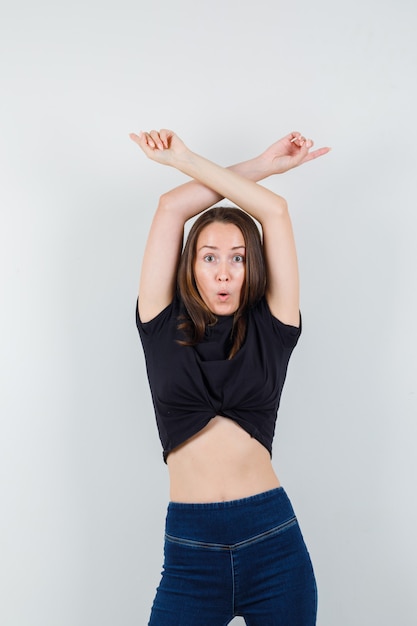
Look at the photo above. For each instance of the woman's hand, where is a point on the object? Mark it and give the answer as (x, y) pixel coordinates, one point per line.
(289, 152)
(162, 146)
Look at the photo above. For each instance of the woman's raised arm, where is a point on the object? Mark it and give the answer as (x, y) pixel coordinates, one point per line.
(163, 249)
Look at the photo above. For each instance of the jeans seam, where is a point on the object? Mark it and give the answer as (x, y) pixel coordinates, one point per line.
(233, 581)
(240, 544)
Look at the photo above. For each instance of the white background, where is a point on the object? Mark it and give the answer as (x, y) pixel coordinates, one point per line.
(83, 485)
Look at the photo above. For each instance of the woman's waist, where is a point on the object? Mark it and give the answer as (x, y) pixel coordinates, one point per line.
(221, 463)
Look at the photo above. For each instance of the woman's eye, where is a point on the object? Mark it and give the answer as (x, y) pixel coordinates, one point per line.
(209, 258)
(238, 258)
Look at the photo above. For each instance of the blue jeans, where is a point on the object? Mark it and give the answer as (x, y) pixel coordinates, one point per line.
(244, 557)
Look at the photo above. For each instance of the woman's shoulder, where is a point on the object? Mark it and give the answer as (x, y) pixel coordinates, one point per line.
(171, 312)
(270, 326)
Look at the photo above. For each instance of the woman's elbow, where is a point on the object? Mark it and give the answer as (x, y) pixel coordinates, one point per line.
(164, 202)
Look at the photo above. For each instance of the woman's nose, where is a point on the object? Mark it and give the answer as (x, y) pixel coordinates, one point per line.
(222, 272)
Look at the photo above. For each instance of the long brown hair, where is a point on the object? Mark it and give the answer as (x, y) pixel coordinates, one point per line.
(198, 314)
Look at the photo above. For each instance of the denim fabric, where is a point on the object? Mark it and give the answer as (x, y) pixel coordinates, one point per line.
(243, 557)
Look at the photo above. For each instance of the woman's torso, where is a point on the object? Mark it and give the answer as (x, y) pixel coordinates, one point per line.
(216, 416)
(222, 462)
(193, 385)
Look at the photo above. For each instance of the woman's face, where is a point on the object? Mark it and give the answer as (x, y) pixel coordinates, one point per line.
(219, 267)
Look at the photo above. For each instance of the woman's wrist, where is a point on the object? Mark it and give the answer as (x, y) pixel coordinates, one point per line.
(260, 168)
(255, 169)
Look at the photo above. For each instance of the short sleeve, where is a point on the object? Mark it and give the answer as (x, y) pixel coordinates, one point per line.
(159, 322)
(288, 334)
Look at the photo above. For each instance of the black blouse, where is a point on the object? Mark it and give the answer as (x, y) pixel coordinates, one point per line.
(192, 384)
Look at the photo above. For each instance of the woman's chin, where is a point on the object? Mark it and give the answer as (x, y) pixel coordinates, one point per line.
(223, 308)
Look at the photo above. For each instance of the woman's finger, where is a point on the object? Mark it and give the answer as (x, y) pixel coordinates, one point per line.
(298, 139)
(136, 138)
(156, 139)
(316, 153)
(146, 140)
(165, 135)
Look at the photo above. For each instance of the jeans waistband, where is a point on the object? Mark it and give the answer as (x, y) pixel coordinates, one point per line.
(228, 504)
(229, 522)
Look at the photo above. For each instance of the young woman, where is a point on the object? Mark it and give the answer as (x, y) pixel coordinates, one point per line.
(218, 322)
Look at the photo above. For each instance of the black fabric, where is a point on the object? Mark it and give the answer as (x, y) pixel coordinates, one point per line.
(192, 384)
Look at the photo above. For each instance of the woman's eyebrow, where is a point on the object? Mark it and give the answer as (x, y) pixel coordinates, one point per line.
(207, 246)
(216, 248)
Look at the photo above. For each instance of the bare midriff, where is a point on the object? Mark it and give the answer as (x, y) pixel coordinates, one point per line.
(222, 462)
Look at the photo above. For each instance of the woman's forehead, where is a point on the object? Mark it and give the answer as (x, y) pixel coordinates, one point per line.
(218, 234)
